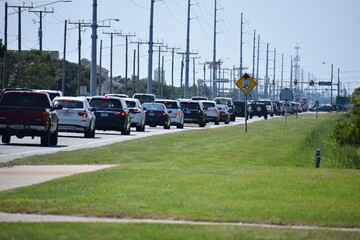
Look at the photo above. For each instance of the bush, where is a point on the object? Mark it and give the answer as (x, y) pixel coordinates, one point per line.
(348, 133)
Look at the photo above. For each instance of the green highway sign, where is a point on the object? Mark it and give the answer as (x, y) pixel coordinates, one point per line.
(324, 83)
(342, 101)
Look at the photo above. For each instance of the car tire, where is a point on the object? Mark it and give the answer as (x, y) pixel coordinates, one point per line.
(232, 118)
(87, 133)
(266, 117)
(5, 138)
(54, 138)
(45, 139)
(216, 122)
(203, 124)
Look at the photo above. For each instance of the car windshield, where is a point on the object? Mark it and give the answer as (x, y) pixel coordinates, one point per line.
(69, 103)
(25, 99)
(169, 105)
(153, 106)
(190, 105)
(208, 105)
(105, 103)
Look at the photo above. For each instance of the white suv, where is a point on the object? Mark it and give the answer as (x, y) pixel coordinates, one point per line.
(76, 115)
(212, 112)
(137, 114)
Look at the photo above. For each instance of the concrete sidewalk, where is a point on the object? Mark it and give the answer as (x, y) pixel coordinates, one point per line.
(21, 176)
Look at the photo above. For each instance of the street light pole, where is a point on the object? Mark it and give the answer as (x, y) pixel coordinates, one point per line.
(94, 27)
(331, 87)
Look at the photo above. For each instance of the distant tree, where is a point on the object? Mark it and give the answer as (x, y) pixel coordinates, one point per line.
(31, 69)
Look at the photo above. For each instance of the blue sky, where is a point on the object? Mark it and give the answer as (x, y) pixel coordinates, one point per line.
(325, 30)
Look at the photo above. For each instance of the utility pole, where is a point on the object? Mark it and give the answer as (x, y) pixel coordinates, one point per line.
(64, 62)
(172, 69)
(331, 87)
(94, 27)
(160, 72)
(257, 68)
(19, 11)
(282, 72)
(79, 24)
(126, 36)
(274, 76)
(186, 92)
(151, 43)
(41, 14)
(133, 75)
(194, 71)
(338, 84)
(111, 34)
(241, 46)
(187, 53)
(291, 73)
(253, 63)
(266, 95)
(138, 43)
(100, 68)
(214, 55)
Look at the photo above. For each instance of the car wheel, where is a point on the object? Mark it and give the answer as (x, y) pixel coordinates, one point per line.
(232, 118)
(216, 122)
(87, 133)
(54, 138)
(266, 117)
(203, 124)
(5, 138)
(45, 139)
(139, 128)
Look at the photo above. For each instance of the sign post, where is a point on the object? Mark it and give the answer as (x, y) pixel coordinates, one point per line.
(286, 94)
(246, 84)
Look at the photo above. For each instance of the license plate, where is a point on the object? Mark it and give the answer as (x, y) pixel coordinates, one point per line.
(18, 126)
(67, 114)
(104, 114)
(151, 114)
(188, 111)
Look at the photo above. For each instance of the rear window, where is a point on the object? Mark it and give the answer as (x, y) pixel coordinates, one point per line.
(69, 103)
(223, 101)
(208, 105)
(190, 105)
(158, 107)
(169, 105)
(131, 104)
(145, 97)
(105, 103)
(25, 99)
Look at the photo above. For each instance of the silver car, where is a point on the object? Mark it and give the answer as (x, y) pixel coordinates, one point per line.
(76, 115)
(137, 114)
(174, 110)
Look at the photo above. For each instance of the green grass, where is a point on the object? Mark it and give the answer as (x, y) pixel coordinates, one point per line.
(223, 174)
(90, 231)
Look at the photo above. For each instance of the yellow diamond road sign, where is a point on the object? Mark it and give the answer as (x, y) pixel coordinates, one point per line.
(246, 83)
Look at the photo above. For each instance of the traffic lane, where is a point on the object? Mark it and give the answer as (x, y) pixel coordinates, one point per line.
(19, 148)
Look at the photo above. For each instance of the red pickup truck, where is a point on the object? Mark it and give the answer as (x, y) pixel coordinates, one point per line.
(28, 113)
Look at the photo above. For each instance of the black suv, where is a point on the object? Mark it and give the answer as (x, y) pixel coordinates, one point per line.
(194, 112)
(259, 109)
(230, 103)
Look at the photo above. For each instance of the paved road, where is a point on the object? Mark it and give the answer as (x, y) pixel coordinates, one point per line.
(19, 148)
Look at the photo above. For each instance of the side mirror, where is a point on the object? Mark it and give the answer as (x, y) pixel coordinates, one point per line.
(93, 109)
(58, 107)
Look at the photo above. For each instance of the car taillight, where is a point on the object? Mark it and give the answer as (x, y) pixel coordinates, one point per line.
(200, 112)
(120, 113)
(45, 116)
(214, 110)
(136, 111)
(178, 113)
(83, 114)
(160, 114)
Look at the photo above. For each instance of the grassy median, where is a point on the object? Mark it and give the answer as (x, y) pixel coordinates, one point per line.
(223, 174)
